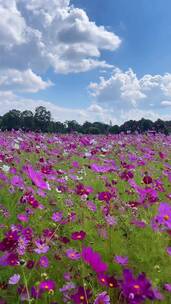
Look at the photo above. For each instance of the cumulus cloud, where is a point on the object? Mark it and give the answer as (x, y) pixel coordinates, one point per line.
(39, 34)
(22, 81)
(132, 97)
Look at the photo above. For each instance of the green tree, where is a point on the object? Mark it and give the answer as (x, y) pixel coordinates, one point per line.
(42, 119)
(11, 120)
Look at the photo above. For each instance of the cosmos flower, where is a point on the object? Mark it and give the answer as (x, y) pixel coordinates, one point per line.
(14, 279)
(47, 285)
(72, 254)
(78, 235)
(37, 178)
(104, 196)
(57, 216)
(94, 260)
(43, 261)
(102, 298)
(122, 260)
(41, 247)
(136, 290)
(163, 217)
(81, 296)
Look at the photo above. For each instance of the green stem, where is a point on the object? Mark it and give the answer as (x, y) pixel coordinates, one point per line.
(26, 285)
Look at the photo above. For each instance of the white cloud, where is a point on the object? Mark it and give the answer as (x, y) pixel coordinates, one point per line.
(12, 25)
(131, 97)
(39, 34)
(22, 81)
(166, 103)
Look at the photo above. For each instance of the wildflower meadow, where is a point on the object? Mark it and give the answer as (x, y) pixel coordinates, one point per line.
(85, 219)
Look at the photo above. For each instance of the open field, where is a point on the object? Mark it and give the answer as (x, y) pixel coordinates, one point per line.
(85, 219)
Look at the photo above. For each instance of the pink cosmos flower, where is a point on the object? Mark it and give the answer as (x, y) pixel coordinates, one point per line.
(14, 279)
(122, 260)
(47, 285)
(102, 298)
(73, 254)
(57, 216)
(94, 260)
(37, 178)
(44, 262)
(41, 247)
(78, 235)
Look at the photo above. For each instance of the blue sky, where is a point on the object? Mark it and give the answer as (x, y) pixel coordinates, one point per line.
(87, 59)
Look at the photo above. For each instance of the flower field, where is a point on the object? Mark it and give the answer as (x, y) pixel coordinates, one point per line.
(85, 219)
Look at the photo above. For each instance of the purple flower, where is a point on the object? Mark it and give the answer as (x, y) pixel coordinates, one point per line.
(167, 287)
(14, 279)
(12, 259)
(67, 286)
(73, 254)
(104, 196)
(102, 298)
(164, 216)
(57, 216)
(81, 296)
(44, 262)
(111, 221)
(122, 260)
(136, 290)
(17, 181)
(91, 206)
(41, 247)
(169, 250)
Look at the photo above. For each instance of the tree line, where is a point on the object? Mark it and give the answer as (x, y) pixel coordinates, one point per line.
(41, 121)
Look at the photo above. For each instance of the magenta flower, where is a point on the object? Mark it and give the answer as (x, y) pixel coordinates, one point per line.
(17, 181)
(147, 180)
(104, 196)
(102, 298)
(44, 262)
(94, 260)
(103, 279)
(122, 260)
(82, 296)
(23, 217)
(47, 285)
(164, 216)
(37, 178)
(78, 235)
(73, 254)
(12, 259)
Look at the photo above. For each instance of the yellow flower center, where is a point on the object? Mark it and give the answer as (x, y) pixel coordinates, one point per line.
(136, 286)
(166, 217)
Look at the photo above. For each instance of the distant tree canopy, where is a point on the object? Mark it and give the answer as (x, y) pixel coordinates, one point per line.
(41, 121)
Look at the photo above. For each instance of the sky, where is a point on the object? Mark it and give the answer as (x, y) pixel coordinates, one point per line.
(87, 60)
